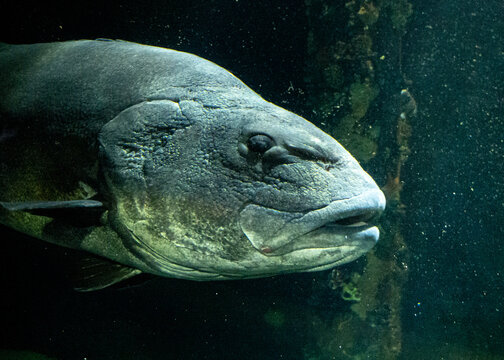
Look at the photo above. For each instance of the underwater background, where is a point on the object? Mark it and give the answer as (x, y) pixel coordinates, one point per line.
(413, 89)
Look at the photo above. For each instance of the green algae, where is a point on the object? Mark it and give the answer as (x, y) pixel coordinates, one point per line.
(368, 13)
(275, 318)
(22, 355)
(360, 141)
(350, 291)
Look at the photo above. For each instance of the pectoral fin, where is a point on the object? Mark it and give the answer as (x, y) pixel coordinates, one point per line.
(76, 212)
(95, 273)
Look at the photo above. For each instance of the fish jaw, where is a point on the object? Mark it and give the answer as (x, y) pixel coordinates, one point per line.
(342, 222)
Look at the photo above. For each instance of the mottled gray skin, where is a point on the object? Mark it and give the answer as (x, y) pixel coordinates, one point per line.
(163, 138)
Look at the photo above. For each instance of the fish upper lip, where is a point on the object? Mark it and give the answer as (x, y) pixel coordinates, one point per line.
(346, 214)
(371, 203)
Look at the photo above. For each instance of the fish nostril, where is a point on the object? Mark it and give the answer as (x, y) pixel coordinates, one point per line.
(328, 167)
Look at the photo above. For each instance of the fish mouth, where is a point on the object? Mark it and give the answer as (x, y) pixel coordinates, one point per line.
(345, 224)
(352, 232)
(355, 220)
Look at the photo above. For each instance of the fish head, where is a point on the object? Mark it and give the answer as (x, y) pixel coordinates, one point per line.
(240, 189)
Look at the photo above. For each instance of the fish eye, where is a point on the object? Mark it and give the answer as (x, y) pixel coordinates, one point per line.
(259, 143)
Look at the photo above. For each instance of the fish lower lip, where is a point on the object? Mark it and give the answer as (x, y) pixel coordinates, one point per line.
(330, 236)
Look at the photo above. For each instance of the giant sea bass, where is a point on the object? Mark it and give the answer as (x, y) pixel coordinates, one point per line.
(161, 162)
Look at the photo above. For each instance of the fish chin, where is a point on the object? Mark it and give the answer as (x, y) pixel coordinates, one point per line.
(329, 246)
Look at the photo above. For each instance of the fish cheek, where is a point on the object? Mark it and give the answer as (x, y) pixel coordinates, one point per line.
(171, 198)
(188, 223)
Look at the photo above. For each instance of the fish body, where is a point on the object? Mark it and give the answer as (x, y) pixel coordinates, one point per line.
(166, 163)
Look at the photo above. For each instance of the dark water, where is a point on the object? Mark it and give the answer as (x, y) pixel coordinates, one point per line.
(452, 305)
(456, 188)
